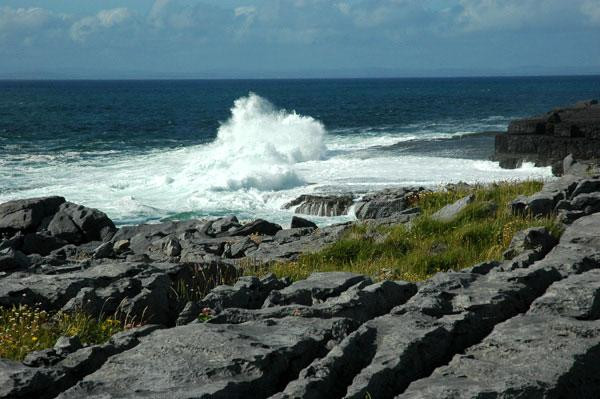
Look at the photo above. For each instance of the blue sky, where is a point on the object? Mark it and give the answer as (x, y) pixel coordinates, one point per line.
(297, 38)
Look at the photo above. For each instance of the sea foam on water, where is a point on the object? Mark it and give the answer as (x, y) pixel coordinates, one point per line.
(261, 158)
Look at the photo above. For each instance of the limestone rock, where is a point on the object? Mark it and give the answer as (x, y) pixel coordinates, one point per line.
(451, 211)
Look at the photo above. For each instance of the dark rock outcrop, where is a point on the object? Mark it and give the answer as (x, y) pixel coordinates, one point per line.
(42, 225)
(319, 205)
(385, 204)
(298, 222)
(547, 139)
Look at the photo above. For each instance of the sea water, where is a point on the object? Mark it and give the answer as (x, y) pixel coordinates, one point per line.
(153, 150)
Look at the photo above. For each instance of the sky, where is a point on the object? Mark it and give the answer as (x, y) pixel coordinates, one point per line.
(297, 38)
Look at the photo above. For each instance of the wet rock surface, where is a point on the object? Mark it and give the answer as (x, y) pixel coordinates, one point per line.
(321, 205)
(526, 326)
(386, 204)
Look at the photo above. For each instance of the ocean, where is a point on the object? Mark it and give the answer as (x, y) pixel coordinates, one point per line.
(144, 151)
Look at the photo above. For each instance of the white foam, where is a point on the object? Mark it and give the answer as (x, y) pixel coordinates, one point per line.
(262, 158)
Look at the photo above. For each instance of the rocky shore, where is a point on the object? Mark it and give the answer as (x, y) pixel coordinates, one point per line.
(527, 326)
(546, 139)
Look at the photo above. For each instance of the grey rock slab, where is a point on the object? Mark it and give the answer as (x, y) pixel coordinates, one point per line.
(577, 296)
(379, 208)
(528, 356)
(172, 247)
(253, 359)
(269, 251)
(451, 211)
(258, 226)
(588, 202)
(328, 377)
(65, 345)
(54, 291)
(66, 367)
(248, 293)
(316, 288)
(386, 203)
(545, 202)
(288, 235)
(403, 349)
(359, 303)
(225, 224)
(534, 238)
(586, 186)
(160, 230)
(238, 249)
(447, 315)
(42, 358)
(23, 382)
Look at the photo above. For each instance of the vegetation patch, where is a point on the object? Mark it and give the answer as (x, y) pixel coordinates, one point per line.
(24, 329)
(481, 232)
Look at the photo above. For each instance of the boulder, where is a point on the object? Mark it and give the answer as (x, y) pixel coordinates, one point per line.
(104, 250)
(11, 260)
(26, 215)
(121, 246)
(298, 222)
(247, 293)
(451, 211)
(259, 226)
(41, 243)
(190, 312)
(224, 225)
(316, 288)
(92, 224)
(171, 247)
(63, 227)
(238, 249)
(534, 238)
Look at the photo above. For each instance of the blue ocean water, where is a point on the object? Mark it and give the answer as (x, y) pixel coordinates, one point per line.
(147, 150)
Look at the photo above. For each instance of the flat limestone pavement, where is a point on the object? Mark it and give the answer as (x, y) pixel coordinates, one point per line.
(526, 327)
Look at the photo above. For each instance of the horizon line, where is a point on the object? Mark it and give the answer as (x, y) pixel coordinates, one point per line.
(182, 78)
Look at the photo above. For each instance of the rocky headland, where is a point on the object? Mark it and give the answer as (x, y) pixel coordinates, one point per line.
(547, 139)
(527, 326)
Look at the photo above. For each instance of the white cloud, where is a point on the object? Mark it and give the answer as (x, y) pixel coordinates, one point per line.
(27, 25)
(155, 17)
(104, 19)
(481, 15)
(22, 18)
(244, 11)
(591, 9)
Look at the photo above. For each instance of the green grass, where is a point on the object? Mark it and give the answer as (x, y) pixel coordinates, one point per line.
(24, 329)
(481, 232)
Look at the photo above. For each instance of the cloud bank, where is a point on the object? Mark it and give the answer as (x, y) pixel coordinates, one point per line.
(185, 36)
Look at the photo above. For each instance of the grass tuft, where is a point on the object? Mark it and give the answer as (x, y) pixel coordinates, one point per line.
(481, 232)
(24, 329)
